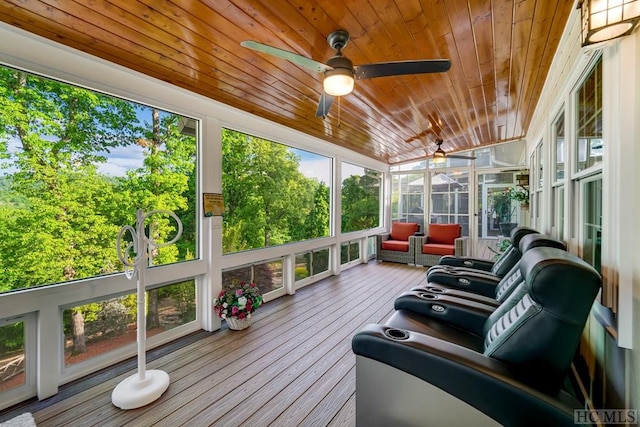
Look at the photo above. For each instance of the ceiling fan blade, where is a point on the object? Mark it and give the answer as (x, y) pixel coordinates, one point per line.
(289, 56)
(324, 105)
(383, 69)
(455, 156)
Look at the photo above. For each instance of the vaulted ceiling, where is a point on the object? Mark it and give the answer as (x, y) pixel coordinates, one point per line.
(500, 52)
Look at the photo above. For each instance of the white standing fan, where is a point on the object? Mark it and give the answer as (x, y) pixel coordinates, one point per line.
(146, 386)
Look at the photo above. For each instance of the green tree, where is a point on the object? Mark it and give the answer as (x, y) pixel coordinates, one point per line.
(59, 132)
(268, 201)
(361, 201)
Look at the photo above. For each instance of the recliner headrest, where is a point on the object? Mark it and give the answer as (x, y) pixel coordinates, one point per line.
(531, 241)
(518, 233)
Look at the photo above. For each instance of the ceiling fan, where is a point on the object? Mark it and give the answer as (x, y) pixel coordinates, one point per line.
(339, 71)
(439, 156)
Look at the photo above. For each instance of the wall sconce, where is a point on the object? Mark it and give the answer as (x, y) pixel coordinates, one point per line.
(604, 20)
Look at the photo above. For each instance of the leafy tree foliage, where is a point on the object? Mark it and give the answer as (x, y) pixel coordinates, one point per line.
(361, 201)
(59, 214)
(268, 200)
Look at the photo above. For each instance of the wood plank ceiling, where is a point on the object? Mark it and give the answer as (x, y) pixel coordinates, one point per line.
(500, 51)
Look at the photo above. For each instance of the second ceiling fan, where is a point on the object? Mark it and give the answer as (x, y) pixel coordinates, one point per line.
(340, 73)
(439, 156)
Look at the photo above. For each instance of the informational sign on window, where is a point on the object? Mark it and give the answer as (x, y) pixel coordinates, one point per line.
(213, 204)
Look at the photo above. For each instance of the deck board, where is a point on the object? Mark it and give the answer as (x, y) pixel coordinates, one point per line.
(293, 366)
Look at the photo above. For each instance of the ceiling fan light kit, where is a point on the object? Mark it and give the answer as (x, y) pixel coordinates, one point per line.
(440, 156)
(339, 71)
(338, 81)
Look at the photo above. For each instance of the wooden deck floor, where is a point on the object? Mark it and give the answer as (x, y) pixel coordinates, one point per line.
(293, 366)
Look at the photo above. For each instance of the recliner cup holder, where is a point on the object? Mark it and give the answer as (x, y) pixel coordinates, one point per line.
(396, 334)
(423, 295)
(435, 290)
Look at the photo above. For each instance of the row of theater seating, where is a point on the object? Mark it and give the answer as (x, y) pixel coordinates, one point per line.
(482, 343)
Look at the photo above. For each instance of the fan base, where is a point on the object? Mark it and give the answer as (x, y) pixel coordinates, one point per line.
(338, 39)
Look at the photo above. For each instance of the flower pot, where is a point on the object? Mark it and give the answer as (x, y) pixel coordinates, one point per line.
(238, 324)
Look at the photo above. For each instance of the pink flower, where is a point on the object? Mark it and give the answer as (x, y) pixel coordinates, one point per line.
(238, 292)
(241, 316)
(234, 311)
(221, 294)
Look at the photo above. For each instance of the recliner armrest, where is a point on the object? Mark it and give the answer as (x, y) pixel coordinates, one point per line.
(477, 281)
(493, 387)
(462, 313)
(434, 288)
(469, 262)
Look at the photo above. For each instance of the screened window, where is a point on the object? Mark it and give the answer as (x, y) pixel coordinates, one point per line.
(266, 275)
(273, 194)
(407, 198)
(311, 263)
(361, 195)
(349, 252)
(592, 223)
(502, 155)
(589, 120)
(93, 329)
(13, 357)
(75, 166)
(559, 143)
(450, 199)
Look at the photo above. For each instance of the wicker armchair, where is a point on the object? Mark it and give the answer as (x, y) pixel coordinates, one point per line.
(441, 239)
(397, 246)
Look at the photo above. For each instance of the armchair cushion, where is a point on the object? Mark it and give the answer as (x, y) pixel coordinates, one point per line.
(443, 234)
(396, 245)
(438, 249)
(403, 230)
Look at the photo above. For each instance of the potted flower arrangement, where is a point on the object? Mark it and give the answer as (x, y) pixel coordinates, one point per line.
(236, 304)
(520, 195)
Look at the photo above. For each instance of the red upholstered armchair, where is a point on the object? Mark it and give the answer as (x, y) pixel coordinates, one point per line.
(397, 246)
(441, 239)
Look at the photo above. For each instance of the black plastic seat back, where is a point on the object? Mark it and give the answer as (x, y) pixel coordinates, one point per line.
(514, 278)
(510, 257)
(538, 327)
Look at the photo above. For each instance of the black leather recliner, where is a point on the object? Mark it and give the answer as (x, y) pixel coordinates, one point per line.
(485, 283)
(499, 267)
(504, 368)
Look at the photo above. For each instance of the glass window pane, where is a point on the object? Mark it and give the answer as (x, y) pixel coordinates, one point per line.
(73, 197)
(450, 199)
(273, 194)
(344, 253)
(503, 155)
(361, 190)
(320, 261)
(354, 251)
(592, 226)
(268, 276)
(559, 138)
(13, 358)
(589, 116)
(102, 326)
(302, 269)
(407, 195)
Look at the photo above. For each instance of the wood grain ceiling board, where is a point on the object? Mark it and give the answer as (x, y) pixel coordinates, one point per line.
(500, 52)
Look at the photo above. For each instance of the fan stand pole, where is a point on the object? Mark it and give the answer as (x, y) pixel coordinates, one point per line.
(144, 387)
